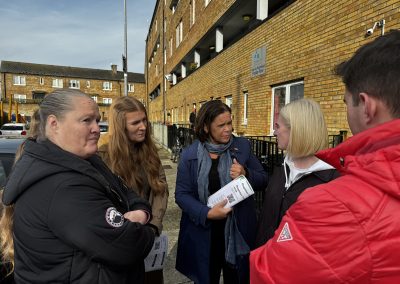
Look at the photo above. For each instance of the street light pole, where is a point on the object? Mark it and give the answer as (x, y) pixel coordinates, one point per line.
(125, 55)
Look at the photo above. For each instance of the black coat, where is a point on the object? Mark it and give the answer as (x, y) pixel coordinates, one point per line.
(277, 200)
(68, 224)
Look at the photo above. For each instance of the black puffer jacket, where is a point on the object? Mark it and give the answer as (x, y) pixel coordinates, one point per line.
(277, 199)
(68, 223)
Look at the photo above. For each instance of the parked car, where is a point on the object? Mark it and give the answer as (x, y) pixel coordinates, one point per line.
(103, 126)
(8, 148)
(14, 129)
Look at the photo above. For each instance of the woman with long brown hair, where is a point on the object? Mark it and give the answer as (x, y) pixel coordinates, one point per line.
(132, 154)
(70, 219)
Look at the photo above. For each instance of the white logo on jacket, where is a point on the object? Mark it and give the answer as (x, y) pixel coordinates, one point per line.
(285, 234)
(114, 217)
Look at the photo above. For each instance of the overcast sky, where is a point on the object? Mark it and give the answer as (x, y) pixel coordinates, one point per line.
(78, 33)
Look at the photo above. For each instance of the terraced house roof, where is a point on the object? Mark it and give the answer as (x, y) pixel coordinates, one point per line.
(67, 71)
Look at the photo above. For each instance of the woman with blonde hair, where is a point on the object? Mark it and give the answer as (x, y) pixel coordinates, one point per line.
(300, 130)
(132, 154)
(6, 241)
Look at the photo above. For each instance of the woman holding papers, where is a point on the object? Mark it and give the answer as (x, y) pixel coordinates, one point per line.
(216, 239)
(132, 155)
(301, 131)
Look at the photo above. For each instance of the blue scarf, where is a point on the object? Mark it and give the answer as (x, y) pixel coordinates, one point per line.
(235, 245)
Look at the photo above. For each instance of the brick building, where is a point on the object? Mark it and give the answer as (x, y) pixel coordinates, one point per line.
(26, 84)
(256, 55)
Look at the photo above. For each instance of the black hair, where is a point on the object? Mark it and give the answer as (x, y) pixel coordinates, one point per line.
(206, 115)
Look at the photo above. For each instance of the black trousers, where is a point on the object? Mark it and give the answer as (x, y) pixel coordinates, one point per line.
(217, 256)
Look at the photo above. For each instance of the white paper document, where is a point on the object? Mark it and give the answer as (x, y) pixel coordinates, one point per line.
(234, 192)
(156, 258)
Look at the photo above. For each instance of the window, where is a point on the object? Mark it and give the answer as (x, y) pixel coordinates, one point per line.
(228, 101)
(38, 95)
(156, 70)
(19, 98)
(179, 33)
(245, 107)
(170, 47)
(207, 2)
(87, 84)
(57, 83)
(74, 84)
(107, 101)
(192, 12)
(284, 94)
(94, 98)
(19, 80)
(131, 88)
(107, 86)
(41, 81)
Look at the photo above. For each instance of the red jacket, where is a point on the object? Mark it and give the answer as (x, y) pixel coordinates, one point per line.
(347, 230)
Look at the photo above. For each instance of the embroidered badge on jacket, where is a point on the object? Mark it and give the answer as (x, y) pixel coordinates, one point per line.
(285, 234)
(114, 218)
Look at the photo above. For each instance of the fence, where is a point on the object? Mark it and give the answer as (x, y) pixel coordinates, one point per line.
(265, 148)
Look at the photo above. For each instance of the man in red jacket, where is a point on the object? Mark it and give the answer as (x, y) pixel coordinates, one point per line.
(348, 230)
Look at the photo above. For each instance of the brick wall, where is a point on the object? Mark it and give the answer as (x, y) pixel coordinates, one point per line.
(93, 88)
(303, 41)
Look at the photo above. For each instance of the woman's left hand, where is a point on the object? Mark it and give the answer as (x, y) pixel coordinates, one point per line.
(138, 216)
(237, 169)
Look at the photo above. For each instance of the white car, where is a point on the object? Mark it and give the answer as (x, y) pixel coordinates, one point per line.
(14, 129)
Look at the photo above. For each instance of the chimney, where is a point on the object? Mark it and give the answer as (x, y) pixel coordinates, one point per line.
(114, 69)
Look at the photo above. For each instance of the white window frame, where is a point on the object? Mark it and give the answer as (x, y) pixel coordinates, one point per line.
(41, 81)
(287, 99)
(179, 33)
(245, 107)
(94, 98)
(192, 12)
(131, 88)
(107, 86)
(19, 97)
(107, 101)
(58, 83)
(229, 101)
(19, 80)
(170, 47)
(74, 84)
(87, 84)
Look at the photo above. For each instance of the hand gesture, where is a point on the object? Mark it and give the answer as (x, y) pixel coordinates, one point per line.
(237, 169)
(218, 212)
(138, 216)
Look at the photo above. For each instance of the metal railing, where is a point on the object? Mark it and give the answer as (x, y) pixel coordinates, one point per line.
(265, 148)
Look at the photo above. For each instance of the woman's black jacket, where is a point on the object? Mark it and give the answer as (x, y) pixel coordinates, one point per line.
(277, 200)
(68, 220)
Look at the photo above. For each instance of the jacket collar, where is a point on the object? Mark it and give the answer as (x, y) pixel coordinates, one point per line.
(368, 141)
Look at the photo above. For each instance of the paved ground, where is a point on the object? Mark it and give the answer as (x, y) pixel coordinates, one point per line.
(171, 222)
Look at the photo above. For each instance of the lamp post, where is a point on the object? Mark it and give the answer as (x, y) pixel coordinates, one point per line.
(125, 55)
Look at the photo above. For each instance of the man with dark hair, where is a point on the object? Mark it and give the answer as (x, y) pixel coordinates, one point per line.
(348, 230)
